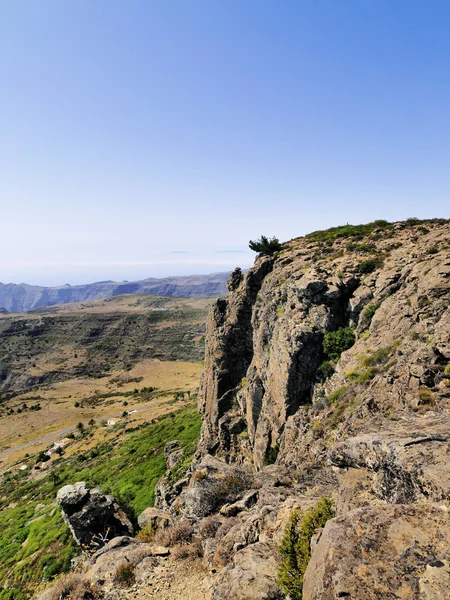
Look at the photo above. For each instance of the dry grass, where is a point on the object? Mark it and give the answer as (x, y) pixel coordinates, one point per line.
(146, 534)
(72, 587)
(181, 533)
(58, 403)
(185, 551)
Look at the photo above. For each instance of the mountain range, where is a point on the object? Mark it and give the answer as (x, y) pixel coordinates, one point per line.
(23, 297)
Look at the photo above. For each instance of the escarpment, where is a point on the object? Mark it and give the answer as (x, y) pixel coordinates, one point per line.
(331, 359)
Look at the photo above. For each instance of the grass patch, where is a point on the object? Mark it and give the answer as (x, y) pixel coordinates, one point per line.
(380, 356)
(357, 232)
(36, 544)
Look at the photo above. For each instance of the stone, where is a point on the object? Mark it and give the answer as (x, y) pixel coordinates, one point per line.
(93, 518)
(386, 551)
(154, 517)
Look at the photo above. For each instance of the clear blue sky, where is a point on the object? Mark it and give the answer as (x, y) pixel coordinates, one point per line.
(131, 130)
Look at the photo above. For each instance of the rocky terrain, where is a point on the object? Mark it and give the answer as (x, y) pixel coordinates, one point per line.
(23, 297)
(323, 470)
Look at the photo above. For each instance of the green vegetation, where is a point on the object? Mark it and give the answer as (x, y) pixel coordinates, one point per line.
(295, 547)
(338, 394)
(380, 356)
(325, 370)
(347, 231)
(35, 542)
(265, 246)
(369, 312)
(336, 342)
(369, 266)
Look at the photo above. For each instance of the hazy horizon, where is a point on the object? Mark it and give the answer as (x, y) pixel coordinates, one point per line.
(164, 264)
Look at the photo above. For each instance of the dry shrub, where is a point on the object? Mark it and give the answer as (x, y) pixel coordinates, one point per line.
(230, 487)
(146, 534)
(181, 533)
(225, 527)
(184, 551)
(209, 526)
(72, 587)
(124, 574)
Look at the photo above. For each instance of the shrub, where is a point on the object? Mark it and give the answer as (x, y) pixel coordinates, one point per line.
(336, 342)
(370, 311)
(265, 246)
(146, 534)
(369, 266)
(447, 370)
(295, 548)
(209, 526)
(325, 370)
(191, 550)
(380, 356)
(337, 394)
(180, 533)
(72, 587)
(426, 397)
(124, 574)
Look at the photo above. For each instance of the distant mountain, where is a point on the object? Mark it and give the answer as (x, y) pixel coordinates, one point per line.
(23, 297)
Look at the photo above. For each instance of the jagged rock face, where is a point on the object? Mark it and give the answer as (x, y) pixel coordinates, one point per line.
(92, 517)
(373, 435)
(265, 340)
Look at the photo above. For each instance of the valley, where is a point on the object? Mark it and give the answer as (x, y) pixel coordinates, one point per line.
(94, 361)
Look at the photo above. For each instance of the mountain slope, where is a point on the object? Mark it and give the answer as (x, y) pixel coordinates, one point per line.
(23, 297)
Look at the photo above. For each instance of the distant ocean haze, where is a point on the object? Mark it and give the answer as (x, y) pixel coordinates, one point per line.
(166, 264)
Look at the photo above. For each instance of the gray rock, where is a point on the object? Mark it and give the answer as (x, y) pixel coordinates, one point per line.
(92, 517)
(154, 517)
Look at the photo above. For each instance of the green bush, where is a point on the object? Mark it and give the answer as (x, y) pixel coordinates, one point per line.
(369, 266)
(336, 342)
(295, 547)
(325, 370)
(265, 246)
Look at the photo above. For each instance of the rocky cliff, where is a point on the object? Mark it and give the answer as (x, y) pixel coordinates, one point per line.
(331, 359)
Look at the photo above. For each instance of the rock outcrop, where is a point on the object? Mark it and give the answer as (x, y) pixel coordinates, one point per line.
(92, 517)
(367, 425)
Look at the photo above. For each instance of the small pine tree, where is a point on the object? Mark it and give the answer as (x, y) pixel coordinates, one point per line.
(295, 547)
(265, 246)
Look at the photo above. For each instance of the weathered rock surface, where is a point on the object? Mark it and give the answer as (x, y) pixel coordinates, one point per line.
(393, 552)
(373, 433)
(154, 517)
(92, 517)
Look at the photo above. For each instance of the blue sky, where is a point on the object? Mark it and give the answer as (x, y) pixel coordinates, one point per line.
(145, 138)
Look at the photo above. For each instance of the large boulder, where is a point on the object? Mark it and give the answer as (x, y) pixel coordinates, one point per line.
(396, 552)
(92, 517)
(157, 519)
